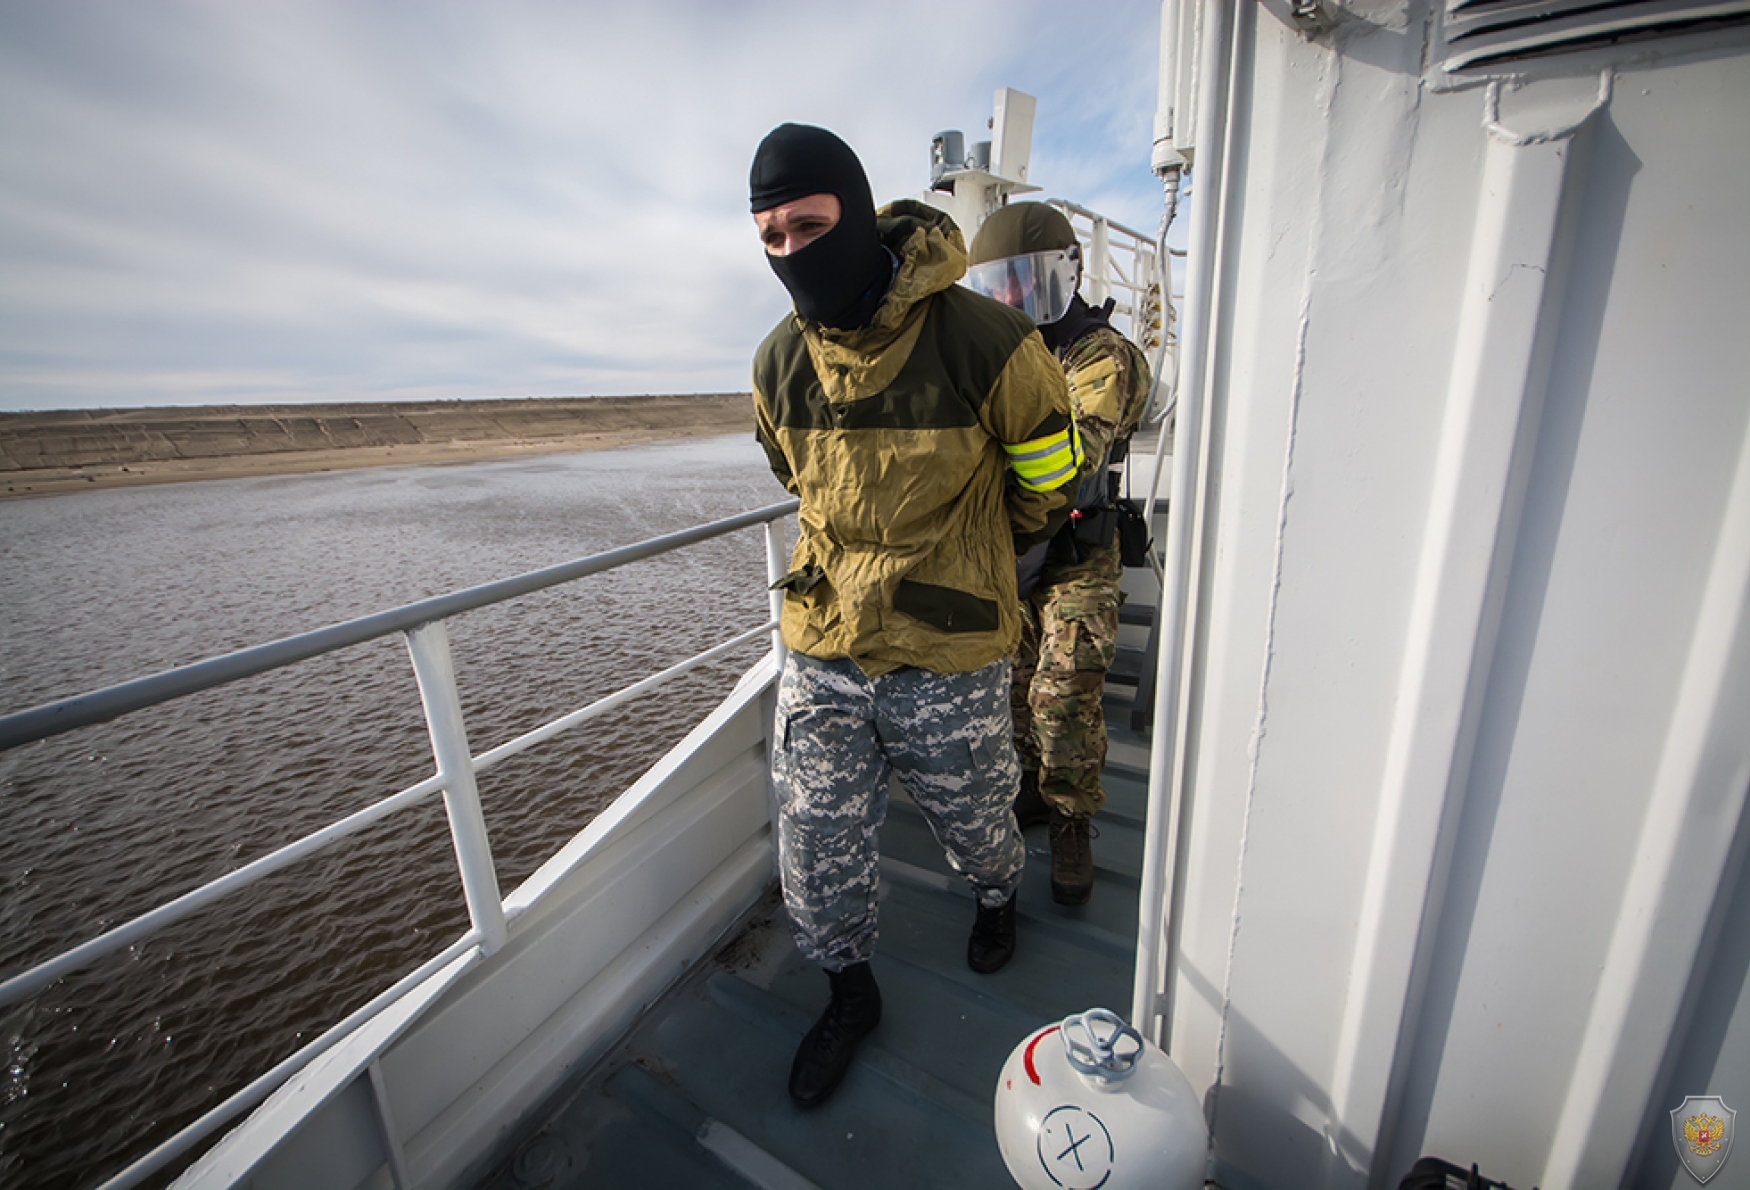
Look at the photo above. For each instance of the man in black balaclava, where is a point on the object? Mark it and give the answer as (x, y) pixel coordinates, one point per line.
(843, 276)
(927, 431)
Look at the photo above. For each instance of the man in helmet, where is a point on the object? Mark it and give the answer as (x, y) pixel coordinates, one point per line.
(1026, 255)
(927, 431)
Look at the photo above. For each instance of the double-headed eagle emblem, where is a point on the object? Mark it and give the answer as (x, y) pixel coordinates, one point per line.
(1701, 1128)
(1702, 1134)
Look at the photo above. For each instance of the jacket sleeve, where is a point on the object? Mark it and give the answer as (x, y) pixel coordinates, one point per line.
(1028, 412)
(768, 439)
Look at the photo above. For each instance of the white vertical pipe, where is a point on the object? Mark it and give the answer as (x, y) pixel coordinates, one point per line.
(1160, 837)
(429, 646)
(775, 570)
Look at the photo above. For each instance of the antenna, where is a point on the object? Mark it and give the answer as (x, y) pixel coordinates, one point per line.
(971, 181)
(1011, 134)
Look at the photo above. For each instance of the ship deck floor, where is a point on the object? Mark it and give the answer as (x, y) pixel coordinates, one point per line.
(696, 1095)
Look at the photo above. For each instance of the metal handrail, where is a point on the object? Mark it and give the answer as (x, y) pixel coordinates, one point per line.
(33, 980)
(265, 1084)
(1070, 208)
(422, 624)
(114, 701)
(98, 706)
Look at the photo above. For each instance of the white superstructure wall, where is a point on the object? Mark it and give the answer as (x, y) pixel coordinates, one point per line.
(1467, 719)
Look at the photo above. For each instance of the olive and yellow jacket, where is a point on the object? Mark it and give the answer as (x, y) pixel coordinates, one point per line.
(927, 447)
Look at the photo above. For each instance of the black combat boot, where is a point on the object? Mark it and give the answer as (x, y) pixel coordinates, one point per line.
(1030, 807)
(992, 943)
(1072, 859)
(826, 1053)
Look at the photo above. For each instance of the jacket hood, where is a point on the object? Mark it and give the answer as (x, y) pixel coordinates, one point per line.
(931, 251)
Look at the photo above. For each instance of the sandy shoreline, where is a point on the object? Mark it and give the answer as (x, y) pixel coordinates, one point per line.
(653, 424)
(55, 481)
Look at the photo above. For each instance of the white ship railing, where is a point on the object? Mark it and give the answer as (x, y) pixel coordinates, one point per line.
(428, 644)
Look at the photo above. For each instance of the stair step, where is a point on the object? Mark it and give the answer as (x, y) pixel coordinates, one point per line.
(1136, 613)
(1126, 667)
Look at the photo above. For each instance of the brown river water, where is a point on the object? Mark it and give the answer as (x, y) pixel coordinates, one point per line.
(103, 823)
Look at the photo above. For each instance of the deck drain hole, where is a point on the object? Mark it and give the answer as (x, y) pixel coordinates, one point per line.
(539, 1161)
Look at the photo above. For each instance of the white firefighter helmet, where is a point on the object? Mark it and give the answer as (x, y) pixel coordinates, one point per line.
(1089, 1103)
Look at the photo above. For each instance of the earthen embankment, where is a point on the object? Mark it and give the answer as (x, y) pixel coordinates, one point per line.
(64, 450)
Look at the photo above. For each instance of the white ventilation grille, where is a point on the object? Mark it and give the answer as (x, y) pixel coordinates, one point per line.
(1476, 35)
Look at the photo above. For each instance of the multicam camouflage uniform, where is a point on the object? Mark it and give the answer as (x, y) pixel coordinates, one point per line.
(1069, 625)
(839, 734)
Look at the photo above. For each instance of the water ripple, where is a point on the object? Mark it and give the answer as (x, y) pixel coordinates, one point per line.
(102, 824)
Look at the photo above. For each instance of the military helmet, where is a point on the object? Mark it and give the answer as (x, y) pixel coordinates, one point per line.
(1020, 229)
(1026, 256)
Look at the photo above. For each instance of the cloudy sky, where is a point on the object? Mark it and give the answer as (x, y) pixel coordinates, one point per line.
(217, 201)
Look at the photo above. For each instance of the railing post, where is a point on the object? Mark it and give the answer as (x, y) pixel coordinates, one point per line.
(430, 646)
(399, 1171)
(775, 570)
(1099, 271)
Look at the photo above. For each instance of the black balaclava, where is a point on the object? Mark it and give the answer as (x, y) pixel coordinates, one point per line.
(1077, 321)
(839, 279)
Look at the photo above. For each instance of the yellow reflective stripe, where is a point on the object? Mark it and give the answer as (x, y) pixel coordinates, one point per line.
(1044, 464)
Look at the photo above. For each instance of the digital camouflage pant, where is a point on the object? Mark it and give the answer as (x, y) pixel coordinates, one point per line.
(839, 735)
(1069, 636)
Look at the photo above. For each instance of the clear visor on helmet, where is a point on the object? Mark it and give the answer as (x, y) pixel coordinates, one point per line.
(1040, 284)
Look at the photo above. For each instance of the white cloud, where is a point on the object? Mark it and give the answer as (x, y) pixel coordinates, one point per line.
(324, 200)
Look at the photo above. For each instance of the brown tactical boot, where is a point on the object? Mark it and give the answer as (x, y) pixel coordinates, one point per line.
(1072, 859)
(1030, 807)
(825, 1054)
